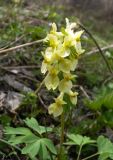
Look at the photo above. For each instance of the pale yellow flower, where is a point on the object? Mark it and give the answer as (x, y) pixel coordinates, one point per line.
(73, 97)
(53, 40)
(60, 58)
(65, 86)
(65, 65)
(78, 48)
(52, 79)
(63, 51)
(74, 63)
(57, 108)
(55, 32)
(48, 59)
(69, 27)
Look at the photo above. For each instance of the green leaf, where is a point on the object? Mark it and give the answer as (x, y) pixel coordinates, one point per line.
(43, 151)
(79, 140)
(23, 139)
(33, 124)
(50, 145)
(34, 144)
(41, 147)
(17, 131)
(32, 148)
(105, 148)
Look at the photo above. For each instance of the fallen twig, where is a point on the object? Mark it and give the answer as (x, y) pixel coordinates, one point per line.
(21, 67)
(13, 42)
(20, 46)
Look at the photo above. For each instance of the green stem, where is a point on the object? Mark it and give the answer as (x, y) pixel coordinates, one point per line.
(1, 140)
(79, 152)
(93, 155)
(61, 136)
(98, 46)
(38, 89)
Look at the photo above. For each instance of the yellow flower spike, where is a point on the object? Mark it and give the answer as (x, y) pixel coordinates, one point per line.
(73, 97)
(57, 108)
(61, 56)
(52, 80)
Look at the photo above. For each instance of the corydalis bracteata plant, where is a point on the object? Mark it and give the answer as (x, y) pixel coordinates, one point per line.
(60, 60)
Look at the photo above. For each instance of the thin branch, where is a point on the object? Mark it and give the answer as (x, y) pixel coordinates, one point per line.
(99, 48)
(40, 86)
(20, 46)
(21, 67)
(84, 92)
(13, 42)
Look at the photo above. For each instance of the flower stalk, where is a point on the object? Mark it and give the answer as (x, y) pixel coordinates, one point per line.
(61, 136)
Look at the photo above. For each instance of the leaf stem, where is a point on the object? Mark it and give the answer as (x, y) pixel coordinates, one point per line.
(93, 155)
(4, 141)
(78, 157)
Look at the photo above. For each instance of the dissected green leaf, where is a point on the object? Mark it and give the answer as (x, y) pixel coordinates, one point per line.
(23, 139)
(32, 148)
(105, 148)
(79, 140)
(41, 147)
(33, 124)
(17, 131)
(43, 151)
(50, 145)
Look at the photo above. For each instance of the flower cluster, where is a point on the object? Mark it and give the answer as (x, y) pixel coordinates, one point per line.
(60, 59)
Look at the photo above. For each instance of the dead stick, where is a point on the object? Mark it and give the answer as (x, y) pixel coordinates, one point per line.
(20, 46)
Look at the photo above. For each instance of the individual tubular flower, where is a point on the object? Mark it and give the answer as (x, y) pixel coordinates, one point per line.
(48, 59)
(52, 79)
(73, 97)
(65, 84)
(65, 65)
(57, 108)
(54, 37)
(73, 39)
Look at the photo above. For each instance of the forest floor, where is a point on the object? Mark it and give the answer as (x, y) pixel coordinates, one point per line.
(20, 73)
